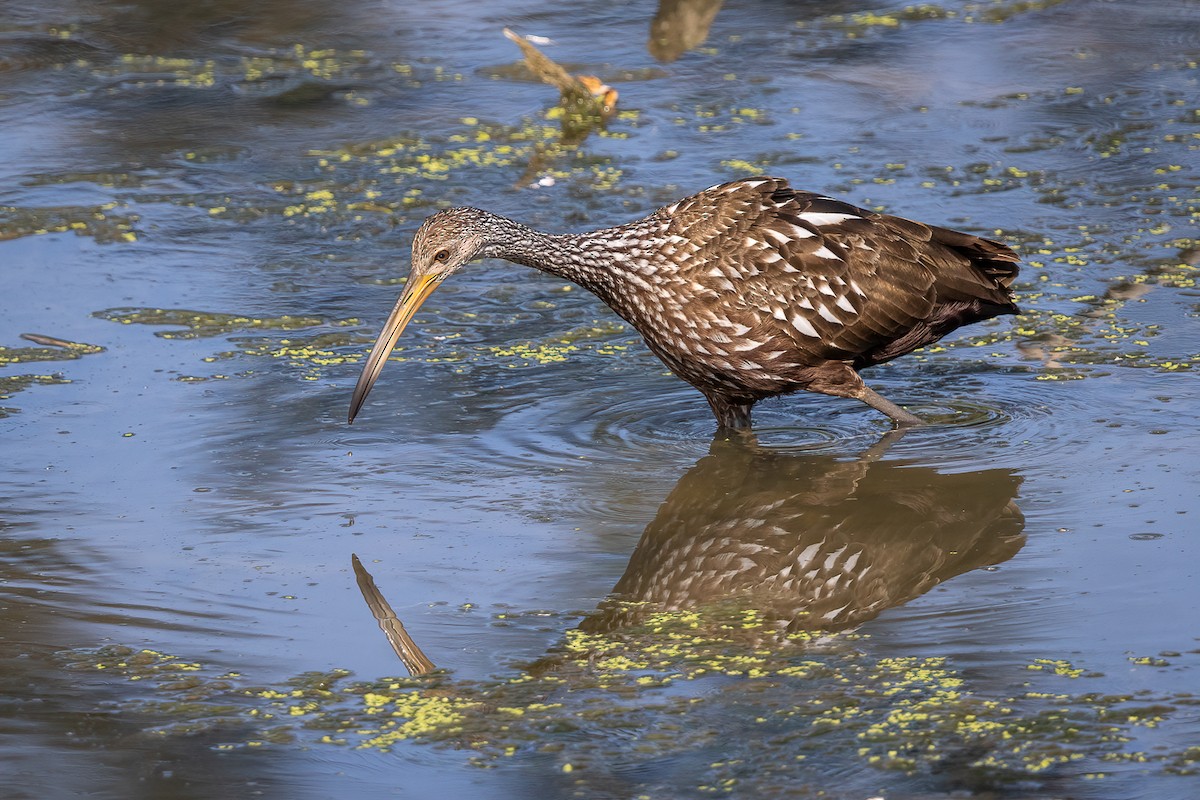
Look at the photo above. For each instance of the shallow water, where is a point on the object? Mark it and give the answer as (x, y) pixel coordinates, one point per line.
(219, 199)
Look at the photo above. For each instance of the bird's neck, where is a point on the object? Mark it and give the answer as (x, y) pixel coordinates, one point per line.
(602, 261)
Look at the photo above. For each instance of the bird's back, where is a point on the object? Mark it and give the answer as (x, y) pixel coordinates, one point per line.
(839, 282)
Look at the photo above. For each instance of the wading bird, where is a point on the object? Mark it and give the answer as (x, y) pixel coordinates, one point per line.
(746, 290)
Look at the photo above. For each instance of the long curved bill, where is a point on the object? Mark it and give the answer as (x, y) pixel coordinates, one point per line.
(415, 292)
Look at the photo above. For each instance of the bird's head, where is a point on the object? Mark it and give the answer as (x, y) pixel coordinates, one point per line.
(449, 240)
(444, 244)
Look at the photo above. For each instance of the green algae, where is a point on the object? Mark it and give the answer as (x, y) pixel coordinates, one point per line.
(288, 75)
(1075, 334)
(203, 324)
(859, 24)
(386, 181)
(47, 349)
(312, 355)
(59, 350)
(360, 188)
(544, 353)
(307, 356)
(712, 680)
(100, 222)
(11, 384)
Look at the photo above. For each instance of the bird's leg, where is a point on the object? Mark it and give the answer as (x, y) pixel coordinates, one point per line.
(880, 448)
(840, 379)
(730, 414)
(727, 440)
(881, 403)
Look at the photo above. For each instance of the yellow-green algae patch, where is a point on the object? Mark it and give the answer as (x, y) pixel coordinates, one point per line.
(202, 324)
(725, 680)
(1067, 332)
(313, 353)
(1072, 327)
(61, 351)
(857, 25)
(11, 384)
(364, 187)
(288, 75)
(101, 222)
(46, 349)
(310, 356)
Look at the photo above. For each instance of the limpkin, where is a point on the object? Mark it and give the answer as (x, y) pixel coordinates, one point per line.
(746, 290)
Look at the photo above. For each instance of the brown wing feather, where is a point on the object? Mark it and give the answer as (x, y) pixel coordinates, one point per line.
(840, 282)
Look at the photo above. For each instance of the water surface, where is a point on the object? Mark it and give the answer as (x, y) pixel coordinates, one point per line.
(218, 199)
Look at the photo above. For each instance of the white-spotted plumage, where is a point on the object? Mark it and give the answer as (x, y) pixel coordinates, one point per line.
(809, 542)
(827, 315)
(833, 287)
(804, 326)
(822, 220)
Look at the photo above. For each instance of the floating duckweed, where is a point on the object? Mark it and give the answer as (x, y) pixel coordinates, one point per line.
(99, 222)
(741, 165)
(59, 350)
(369, 171)
(201, 324)
(258, 73)
(48, 349)
(547, 353)
(914, 715)
(858, 25)
(1058, 667)
(1150, 661)
(11, 384)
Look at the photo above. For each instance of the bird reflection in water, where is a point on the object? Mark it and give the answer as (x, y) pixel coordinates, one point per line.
(808, 541)
(409, 653)
(812, 541)
(680, 26)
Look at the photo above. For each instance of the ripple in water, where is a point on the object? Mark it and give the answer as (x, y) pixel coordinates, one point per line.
(635, 417)
(650, 413)
(613, 424)
(974, 422)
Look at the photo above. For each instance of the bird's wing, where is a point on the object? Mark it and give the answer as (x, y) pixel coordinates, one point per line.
(823, 273)
(840, 280)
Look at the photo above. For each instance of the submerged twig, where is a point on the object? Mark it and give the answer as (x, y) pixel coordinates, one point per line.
(49, 341)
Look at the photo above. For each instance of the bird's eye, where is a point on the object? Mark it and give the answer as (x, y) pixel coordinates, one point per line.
(441, 255)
